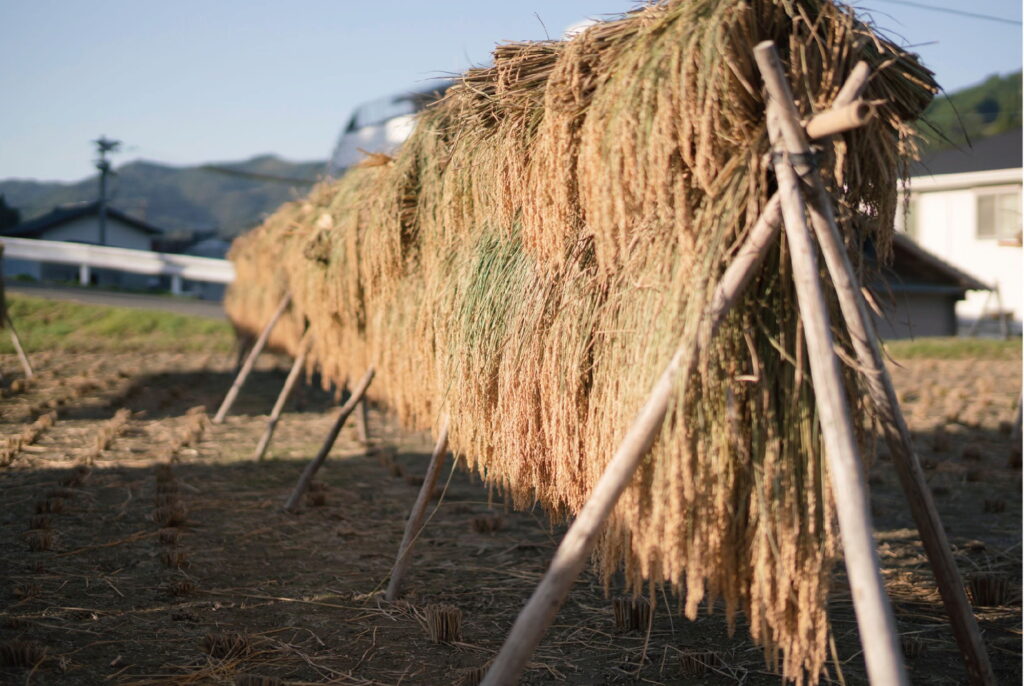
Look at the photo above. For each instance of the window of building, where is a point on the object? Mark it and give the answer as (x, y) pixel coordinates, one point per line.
(998, 213)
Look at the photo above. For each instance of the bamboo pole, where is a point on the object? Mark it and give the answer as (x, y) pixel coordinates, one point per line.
(878, 636)
(250, 361)
(419, 510)
(282, 398)
(840, 118)
(311, 469)
(575, 548)
(362, 422)
(883, 395)
(16, 340)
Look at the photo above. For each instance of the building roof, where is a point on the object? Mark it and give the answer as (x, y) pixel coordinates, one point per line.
(916, 270)
(63, 214)
(1002, 151)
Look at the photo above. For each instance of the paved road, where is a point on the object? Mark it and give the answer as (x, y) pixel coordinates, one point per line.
(141, 301)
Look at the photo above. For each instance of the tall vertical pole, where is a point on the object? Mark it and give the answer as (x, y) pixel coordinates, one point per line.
(104, 146)
(871, 605)
(883, 395)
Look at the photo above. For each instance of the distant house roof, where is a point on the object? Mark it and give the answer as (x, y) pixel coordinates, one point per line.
(67, 213)
(915, 270)
(1002, 151)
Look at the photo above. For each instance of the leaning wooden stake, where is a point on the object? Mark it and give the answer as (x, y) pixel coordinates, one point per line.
(883, 395)
(250, 361)
(20, 350)
(874, 614)
(419, 511)
(580, 539)
(282, 398)
(311, 469)
(362, 422)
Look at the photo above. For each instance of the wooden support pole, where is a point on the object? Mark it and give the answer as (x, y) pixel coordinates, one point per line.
(883, 395)
(579, 541)
(16, 340)
(878, 636)
(282, 398)
(250, 361)
(362, 422)
(419, 511)
(311, 469)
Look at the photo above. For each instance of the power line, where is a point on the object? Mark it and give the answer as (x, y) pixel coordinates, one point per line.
(947, 10)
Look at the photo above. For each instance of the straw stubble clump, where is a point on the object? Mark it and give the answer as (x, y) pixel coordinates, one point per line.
(533, 255)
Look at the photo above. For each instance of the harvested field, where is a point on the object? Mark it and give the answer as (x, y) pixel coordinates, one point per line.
(231, 586)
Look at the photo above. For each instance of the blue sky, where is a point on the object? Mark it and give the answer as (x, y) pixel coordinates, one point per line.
(190, 81)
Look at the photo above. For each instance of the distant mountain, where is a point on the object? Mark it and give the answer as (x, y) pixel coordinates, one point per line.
(228, 198)
(989, 108)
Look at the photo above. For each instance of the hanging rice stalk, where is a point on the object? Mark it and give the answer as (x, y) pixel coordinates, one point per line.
(534, 253)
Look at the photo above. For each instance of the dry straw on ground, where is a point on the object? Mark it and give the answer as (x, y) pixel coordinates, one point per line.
(530, 259)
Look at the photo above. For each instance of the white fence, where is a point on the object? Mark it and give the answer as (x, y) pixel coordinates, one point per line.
(87, 257)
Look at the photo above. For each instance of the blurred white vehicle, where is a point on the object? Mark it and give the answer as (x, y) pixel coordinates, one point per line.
(381, 125)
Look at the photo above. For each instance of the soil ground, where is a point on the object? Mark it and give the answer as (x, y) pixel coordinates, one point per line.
(115, 570)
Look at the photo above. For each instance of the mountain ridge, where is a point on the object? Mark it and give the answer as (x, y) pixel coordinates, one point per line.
(226, 197)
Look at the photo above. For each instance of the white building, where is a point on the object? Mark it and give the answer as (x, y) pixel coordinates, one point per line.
(965, 207)
(80, 223)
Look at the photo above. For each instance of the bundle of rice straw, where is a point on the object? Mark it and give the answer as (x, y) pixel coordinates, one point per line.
(534, 253)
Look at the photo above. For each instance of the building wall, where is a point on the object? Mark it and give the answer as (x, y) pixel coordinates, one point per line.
(13, 268)
(87, 230)
(943, 219)
(917, 315)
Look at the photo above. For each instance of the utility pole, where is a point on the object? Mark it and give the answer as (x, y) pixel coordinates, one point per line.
(104, 146)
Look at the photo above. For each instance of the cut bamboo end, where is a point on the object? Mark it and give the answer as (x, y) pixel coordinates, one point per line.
(840, 119)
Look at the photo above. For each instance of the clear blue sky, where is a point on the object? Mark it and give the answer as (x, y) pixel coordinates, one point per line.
(190, 81)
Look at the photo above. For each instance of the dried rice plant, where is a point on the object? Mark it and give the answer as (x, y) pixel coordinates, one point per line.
(169, 536)
(79, 475)
(175, 559)
(226, 644)
(24, 654)
(444, 623)
(487, 524)
(181, 587)
(12, 445)
(538, 248)
(50, 506)
(631, 614)
(40, 539)
(39, 521)
(257, 680)
(912, 645)
(170, 515)
(698, 662)
(989, 589)
(164, 472)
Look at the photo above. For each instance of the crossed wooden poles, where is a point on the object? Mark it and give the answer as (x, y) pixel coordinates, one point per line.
(801, 196)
